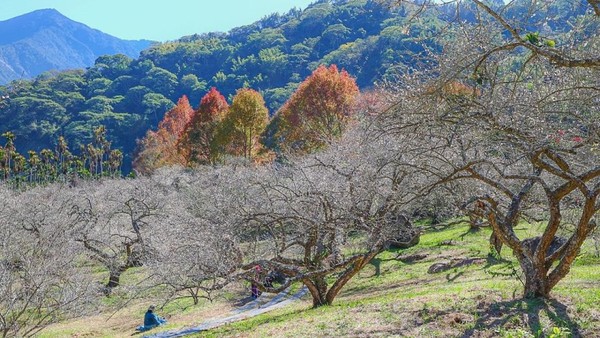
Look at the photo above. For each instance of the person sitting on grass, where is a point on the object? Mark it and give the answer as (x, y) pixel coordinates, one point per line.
(151, 320)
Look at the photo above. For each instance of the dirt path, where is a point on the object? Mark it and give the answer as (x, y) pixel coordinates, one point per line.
(254, 308)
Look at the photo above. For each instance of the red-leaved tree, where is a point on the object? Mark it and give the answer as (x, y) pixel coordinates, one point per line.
(198, 143)
(318, 111)
(159, 148)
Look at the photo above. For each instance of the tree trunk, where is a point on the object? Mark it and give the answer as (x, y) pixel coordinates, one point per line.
(536, 281)
(346, 276)
(114, 278)
(536, 286)
(194, 294)
(495, 244)
(318, 290)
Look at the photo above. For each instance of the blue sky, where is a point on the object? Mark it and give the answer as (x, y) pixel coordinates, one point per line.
(156, 19)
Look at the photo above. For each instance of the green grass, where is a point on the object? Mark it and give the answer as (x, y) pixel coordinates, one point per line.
(406, 301)
(390, 298)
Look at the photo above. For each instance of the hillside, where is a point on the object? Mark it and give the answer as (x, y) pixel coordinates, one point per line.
(130, 96)
(273, 55)
(46, 40)
(461, 199)
(395, 296)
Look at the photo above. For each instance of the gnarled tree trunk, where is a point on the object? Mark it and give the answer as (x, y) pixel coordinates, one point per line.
(347, 275)
(114, 278)
(536, 280)
(318, 290)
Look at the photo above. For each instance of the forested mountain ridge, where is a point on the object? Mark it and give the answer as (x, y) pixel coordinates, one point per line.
(273, 55)
(46, 40)
(130, 96)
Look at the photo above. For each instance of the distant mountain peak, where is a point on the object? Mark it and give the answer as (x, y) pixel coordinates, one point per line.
(26, 25)
(46, 11)
(46, 15)
(45, 40)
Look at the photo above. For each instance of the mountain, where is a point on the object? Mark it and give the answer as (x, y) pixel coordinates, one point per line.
(273, 55)
(44, 40)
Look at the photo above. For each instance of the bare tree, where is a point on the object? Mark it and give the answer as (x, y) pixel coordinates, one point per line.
(320, 217)
(121, 217)
(196, 253)
(521, 125)
(42, 279)
(522, 26)
(326, 215)
(193, 260)
(195, 249)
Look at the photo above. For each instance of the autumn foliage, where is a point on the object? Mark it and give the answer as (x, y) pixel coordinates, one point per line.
(246, 121)
(199, 141)
(159, 148)
(319, 109)
(316, 113)
(187, 137)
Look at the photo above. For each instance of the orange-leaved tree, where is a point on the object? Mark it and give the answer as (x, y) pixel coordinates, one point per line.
(318, 111)
(159, 148)
(198, 143)
(242, 127)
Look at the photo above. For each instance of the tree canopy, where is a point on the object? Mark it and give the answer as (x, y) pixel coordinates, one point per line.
(273, 55)
(319, 109)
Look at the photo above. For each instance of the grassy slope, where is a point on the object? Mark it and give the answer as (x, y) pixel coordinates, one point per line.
(478, 300)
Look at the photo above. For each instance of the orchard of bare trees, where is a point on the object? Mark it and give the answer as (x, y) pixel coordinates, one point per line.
(194, 232)
(514, 112)
(504, 123)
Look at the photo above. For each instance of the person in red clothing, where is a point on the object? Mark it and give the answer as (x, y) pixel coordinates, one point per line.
(254, 288)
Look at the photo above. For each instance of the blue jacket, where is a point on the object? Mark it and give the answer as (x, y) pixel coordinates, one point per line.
(150, 319)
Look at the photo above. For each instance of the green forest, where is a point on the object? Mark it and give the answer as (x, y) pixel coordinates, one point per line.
(372, 41)
(129, 97)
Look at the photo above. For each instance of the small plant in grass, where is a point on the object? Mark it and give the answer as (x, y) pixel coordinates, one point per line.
(518, 333)
(560, 332)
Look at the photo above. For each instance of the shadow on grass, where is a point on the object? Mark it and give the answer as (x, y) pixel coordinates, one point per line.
(470, 231)
(242, 301)
(376, 262)
(450, 278)
(368, 290)
(527, 311)
(493, 260)
(439, 227)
